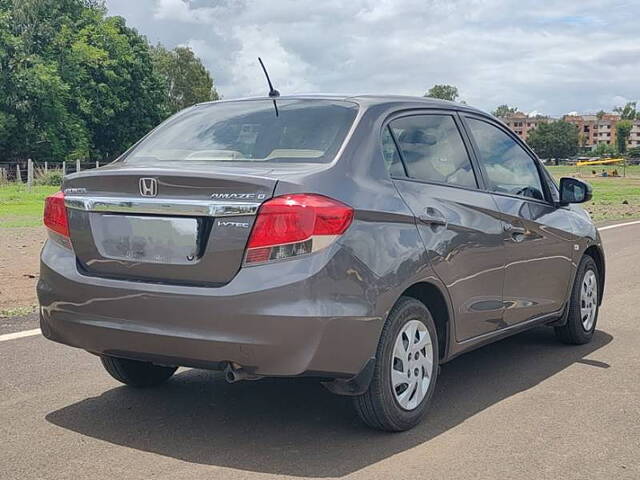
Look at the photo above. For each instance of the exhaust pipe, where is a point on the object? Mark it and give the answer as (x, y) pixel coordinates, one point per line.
(235, 373)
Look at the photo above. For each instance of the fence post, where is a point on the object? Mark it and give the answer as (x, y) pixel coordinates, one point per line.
(97, 164)
(18, 174)
(3, 175)
(46, 167)
(64, 168)
(29, 174)
(77, 165)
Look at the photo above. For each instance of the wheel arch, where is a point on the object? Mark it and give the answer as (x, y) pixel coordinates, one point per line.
(436, 301)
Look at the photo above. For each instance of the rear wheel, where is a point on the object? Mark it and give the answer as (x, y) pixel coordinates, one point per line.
(405, 372)
(583, 305)
(135, 373)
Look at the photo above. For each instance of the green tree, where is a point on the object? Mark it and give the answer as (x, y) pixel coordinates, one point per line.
(187, 80)
(117, 93)
(76, 83)
(600, 115)
(582, 139)
(628, 112)
(503, 111)
(623, 130)
(604, 149)
(554, 140)
(34, 118)
(443, 92)
(634, 152)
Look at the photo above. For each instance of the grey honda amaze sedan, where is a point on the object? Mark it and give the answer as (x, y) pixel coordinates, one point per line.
(362, 240)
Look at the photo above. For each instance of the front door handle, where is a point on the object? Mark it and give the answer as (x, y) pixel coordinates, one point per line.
(514, 229)
(433, 217)
(518, 233)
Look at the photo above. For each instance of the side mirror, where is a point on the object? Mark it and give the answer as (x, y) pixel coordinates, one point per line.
(573, 190)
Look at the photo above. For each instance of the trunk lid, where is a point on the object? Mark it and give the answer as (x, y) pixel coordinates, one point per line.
(180, 226)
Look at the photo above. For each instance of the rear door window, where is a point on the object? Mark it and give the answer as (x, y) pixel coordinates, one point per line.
(510, 169)
(391, 156)
(432, 149)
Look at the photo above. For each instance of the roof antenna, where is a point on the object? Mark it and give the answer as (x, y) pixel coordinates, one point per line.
(273, 93)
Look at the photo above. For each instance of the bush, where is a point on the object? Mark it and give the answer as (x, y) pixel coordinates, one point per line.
(51, 178)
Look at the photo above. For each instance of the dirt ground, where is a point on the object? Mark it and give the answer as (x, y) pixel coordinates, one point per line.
(601, 211)
(19, 267)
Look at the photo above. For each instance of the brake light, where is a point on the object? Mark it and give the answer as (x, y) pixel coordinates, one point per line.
(55, 214)
(296, 224)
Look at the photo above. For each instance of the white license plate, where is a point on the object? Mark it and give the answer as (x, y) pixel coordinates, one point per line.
(166, 240)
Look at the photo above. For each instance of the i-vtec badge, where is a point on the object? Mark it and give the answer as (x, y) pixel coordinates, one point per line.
(223, 223)
(239, 196)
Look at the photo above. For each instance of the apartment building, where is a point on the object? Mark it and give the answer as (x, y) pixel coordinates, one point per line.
(634, 137)
(595, 129)
(522, 124)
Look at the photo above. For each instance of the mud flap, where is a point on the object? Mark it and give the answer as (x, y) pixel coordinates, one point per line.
(356, 385)
(562, 319)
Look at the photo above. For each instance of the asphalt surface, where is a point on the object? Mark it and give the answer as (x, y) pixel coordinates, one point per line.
(526, 407)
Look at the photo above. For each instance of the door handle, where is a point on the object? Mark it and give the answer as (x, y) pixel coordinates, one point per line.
(433, 217)
(517, 232)
(514, 229)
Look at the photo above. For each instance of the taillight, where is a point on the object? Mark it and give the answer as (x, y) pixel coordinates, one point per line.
(296, 224)
(55, 214)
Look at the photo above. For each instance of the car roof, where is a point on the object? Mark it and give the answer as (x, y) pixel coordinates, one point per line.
(370, 100)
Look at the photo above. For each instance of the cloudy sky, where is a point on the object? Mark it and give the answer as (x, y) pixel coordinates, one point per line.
(550, 57)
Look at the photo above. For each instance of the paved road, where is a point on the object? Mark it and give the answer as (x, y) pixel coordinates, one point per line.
(526, 407)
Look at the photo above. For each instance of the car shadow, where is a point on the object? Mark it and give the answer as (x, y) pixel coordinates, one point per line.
(296, 427)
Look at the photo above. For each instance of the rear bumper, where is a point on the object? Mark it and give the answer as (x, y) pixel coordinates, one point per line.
(292, 318)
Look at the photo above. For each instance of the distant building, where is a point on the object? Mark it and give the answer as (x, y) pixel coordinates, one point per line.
(592, 130)
(522, 124)
(634, 137)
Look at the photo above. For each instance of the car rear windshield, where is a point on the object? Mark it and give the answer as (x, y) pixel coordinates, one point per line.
(303, 131)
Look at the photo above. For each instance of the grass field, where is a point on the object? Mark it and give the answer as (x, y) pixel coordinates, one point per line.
(22, 208)
(609, 193)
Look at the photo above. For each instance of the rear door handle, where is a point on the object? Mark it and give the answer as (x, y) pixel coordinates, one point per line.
(433, 216)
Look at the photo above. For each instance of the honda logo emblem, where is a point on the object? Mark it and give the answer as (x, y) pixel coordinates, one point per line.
(148, 187)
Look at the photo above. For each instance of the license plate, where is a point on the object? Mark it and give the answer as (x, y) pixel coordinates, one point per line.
(166, 240)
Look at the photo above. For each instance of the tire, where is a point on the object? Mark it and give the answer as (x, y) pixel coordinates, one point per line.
(379, 407)
(579, 328)
(135, 373)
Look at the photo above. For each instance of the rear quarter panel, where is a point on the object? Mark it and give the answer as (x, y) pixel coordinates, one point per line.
(386, 252)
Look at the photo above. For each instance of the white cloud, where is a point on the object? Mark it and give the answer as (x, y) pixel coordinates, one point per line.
(182, 11)
(618, 100)
(552, 56)
(288, 72)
